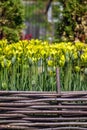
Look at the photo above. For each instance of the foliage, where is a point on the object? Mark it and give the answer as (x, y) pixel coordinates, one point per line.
(73, 20)
(11, 19)
(31, 65)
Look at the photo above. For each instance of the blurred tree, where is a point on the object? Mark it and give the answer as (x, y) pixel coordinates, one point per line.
(11, 19)
(72, 24)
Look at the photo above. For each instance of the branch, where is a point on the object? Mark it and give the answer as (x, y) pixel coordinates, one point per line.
(48, 6)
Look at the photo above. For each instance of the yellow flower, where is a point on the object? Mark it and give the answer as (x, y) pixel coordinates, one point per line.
(59, 53)
(77, 68)
(50, 63)
(84, 58)
(75, 55)
(5, 63)
(62, 60)
(79, 45)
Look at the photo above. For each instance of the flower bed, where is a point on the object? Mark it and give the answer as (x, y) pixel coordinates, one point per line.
(31, 65)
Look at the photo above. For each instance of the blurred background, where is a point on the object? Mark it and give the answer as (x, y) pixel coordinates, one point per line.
(56, 20)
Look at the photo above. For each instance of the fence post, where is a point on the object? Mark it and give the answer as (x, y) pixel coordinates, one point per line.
(58, 89)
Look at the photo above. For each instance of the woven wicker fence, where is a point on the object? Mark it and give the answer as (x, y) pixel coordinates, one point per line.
(26, 110)
(23, 110)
